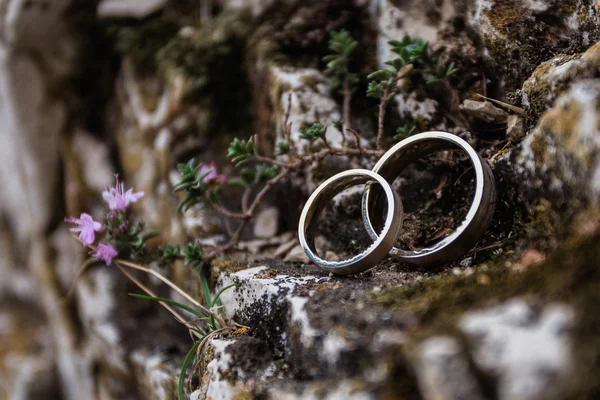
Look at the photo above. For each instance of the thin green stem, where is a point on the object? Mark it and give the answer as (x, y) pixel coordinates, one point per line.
(184, 368)
(168, 301)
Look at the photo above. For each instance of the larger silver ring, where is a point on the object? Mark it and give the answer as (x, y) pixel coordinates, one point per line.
(383, 242)
(478, 218)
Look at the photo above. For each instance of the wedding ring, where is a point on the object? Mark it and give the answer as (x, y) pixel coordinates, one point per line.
(383, 242)
(478, 218)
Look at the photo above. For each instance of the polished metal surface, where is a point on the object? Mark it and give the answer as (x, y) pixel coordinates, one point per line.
(383, 243)
(478, 218)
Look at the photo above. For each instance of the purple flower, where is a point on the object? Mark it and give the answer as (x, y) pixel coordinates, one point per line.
(213, 176)
(117, 198)
(87, 227)
(105, 252)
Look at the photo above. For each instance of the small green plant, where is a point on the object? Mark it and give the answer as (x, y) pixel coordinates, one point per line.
(241, 151)
(342, 45)
(405, 131)
(439, 72)
(313, 132)
(167, 254)
(413, 56)
(283, 148)
(197, 181)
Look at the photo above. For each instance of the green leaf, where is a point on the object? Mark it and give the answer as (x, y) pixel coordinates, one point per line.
(184, 367)
(206, 291)
(248, 175)
(264, 172)
(342, 46)
(375, 89)
(339, 124)
(283, 148)
(313, 132)
(451, 70)
(380, 75)
(167, 254)
(219, 293)
(405, 131)
(240, 151)
(168, 301)
(192, 255)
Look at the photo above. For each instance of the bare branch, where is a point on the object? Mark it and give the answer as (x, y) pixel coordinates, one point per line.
(356, 139)
(346, 110)
(382, 106)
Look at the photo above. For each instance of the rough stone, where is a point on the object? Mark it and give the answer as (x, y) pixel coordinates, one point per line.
(484, 110)
(129, 8)
(267, 223)
(28, 370)
(553, 77)
(528, 350)
(297, 254)
(517, 35)
(562, 152)
(515, 128)
(443, 371)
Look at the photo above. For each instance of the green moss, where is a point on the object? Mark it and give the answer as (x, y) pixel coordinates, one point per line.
(243, 392)
(571, 276)
(568, 6)
(209, 62)
(220, 265)
(543, 226)
(142, 42)
(208, 57)
(523, 40)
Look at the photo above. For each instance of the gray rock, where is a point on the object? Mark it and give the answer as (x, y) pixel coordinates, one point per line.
(563, 151)
(522, 29)
(527, 350)
(553, 77)
(284, 248)
(484, 110)
(515, 128)
(129, 8)
(266, 223)
(443, 371)
(297, 254)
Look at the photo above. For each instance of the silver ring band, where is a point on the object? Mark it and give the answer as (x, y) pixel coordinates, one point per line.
(478, 218)
(383, 242)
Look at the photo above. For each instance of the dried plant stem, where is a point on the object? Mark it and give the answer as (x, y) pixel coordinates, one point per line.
(327, 143)
(356, 139)
(271, 161)
(346, 110)
(88, 263)
(249, 212)
(382, 107)
(245, 199)
(171, 285)
(227, 213)
(149, 292)
(287, 128)
(233, 240)
(265, 190)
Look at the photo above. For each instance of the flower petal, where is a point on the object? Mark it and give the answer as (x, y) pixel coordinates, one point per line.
(87, 237)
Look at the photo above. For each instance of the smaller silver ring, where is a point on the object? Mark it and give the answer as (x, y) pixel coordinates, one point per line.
(383, 242)
(475, 223)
